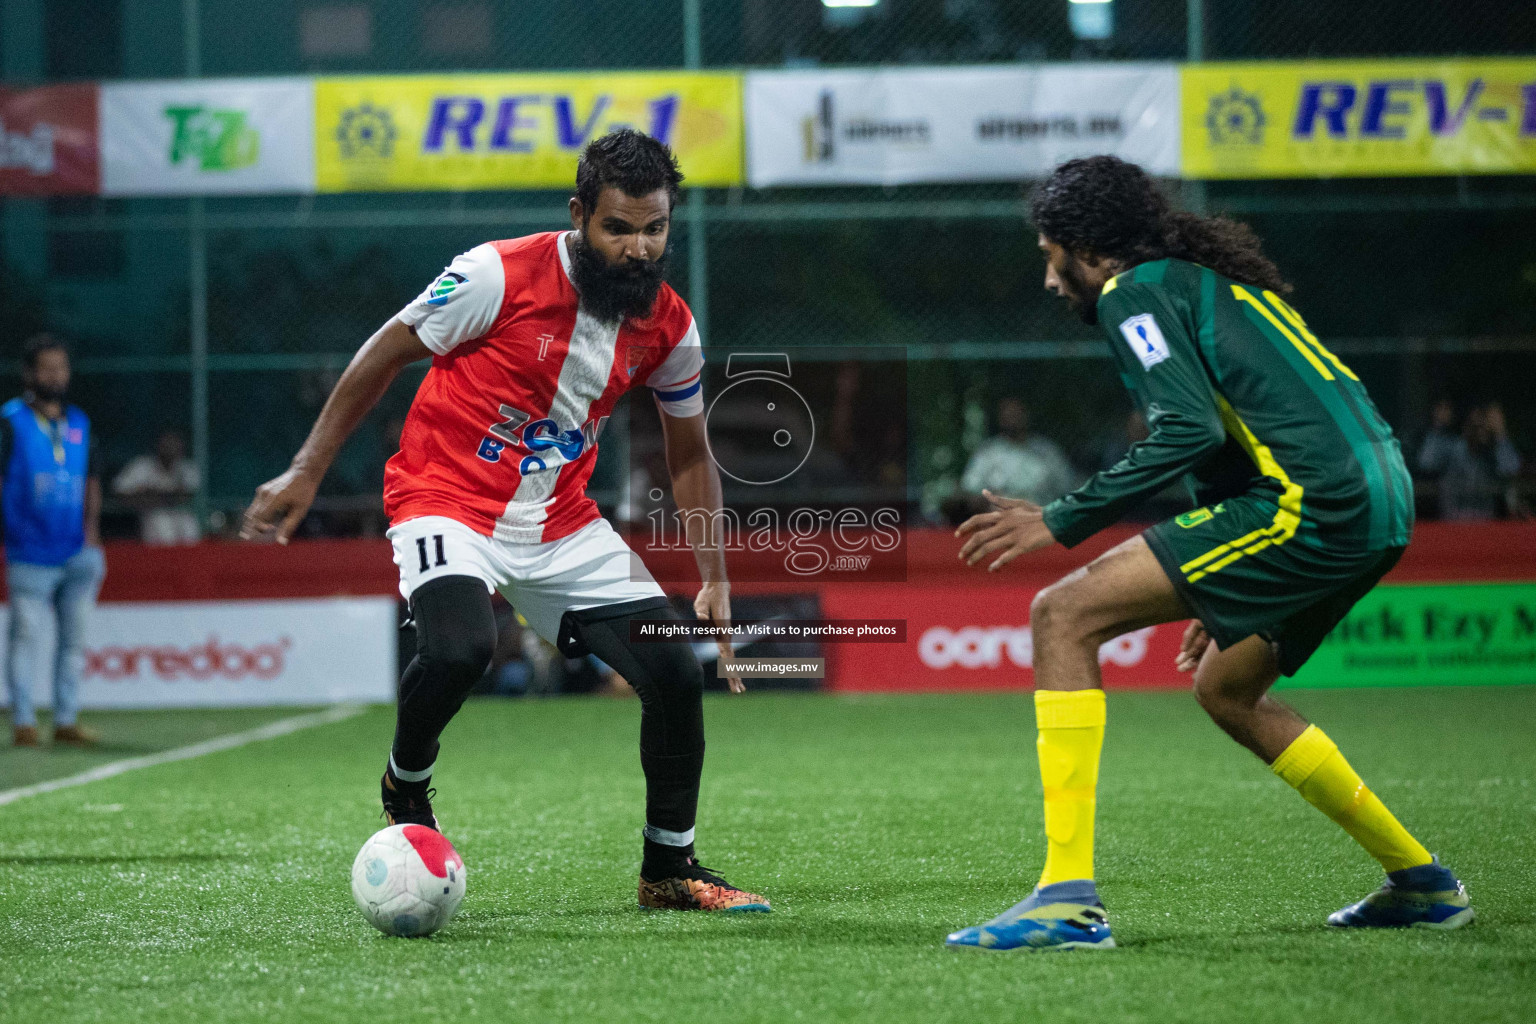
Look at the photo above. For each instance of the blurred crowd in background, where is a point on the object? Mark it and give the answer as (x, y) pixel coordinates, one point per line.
(1425, 284)
(1465, 463)
(1465, 466)
(208, 330)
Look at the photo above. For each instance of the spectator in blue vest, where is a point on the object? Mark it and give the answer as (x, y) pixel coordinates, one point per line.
(51, 500)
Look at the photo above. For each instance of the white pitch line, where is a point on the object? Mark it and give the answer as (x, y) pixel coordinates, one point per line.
(271, 730)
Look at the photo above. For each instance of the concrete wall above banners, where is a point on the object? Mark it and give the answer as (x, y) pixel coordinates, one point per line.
(48, 141)
(208, 137)
(1359, 118)
(463, 132)
(1001, 123)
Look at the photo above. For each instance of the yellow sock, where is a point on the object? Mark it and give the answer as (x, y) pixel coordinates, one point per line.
(1314, 768)
(1071, 724)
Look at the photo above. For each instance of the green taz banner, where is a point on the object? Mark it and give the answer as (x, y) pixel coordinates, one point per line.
(1430, 635)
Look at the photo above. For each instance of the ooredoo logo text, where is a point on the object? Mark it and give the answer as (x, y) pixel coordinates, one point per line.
(987, 646)
(210, 660)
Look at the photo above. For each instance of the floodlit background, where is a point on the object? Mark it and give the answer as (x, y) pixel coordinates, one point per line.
(216, 201)
(227, 318)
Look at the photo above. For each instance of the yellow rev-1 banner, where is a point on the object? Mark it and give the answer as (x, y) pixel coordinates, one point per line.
(462, 132)
(1359, 118)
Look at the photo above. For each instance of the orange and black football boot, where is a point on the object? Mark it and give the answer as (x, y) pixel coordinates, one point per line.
(695, 887)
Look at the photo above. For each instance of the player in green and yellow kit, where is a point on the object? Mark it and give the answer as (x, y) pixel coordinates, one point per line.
(1303, 505)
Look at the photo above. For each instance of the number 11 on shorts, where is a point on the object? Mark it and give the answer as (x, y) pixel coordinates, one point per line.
(437, 544)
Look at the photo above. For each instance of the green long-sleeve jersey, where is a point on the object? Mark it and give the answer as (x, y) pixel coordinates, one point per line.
(1241, 397)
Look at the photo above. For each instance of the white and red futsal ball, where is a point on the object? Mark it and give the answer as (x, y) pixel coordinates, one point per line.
(408, 880)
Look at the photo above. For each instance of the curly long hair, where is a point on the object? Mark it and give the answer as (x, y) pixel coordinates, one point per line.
(1112, 209)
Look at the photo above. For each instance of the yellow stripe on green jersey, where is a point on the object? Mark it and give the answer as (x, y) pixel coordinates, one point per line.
(1287, 515)
(1243, 294)
(1301, 325)
(1210, 361)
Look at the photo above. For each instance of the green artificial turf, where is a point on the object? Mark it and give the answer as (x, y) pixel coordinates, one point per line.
(218, 891)
(124, 734)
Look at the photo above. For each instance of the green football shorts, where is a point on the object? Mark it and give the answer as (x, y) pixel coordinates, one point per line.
(1244, 571)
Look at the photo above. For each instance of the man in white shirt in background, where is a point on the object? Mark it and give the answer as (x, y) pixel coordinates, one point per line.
(1018, 463)
(160, 486)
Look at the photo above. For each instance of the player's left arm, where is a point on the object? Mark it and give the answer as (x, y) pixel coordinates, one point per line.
(1012, 528)
(1155, 349)
(1152, 337)
(696, 489)
(677, 384)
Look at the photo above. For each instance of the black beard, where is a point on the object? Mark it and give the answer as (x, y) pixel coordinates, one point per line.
(46, 394)
(610, 292)
(1077, 295)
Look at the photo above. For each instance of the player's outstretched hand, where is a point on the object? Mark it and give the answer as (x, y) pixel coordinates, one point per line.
(1196, 640)
(279, 507)
(714, 606)
(1014, 527)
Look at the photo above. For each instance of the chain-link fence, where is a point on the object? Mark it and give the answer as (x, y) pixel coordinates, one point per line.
(1427, 285)
(295, 36)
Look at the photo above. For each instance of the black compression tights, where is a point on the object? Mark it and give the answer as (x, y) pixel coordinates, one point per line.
(670, 683)
(455, 638)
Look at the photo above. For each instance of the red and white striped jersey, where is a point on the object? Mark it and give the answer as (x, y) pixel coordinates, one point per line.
(503, 433)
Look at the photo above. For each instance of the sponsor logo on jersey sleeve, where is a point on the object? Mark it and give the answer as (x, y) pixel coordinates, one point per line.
(1146, 340)
(443, 287)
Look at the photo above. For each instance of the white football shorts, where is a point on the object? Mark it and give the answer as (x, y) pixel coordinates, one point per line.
(543, 581)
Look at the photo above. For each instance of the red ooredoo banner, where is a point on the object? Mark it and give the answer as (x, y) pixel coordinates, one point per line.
(974, 637)
(49, 141)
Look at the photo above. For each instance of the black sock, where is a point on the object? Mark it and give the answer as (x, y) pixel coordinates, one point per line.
(663, 861)
(670, 684)
(400, 785)
(672, 789)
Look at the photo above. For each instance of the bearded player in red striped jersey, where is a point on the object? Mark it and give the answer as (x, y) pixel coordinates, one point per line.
(533, 340)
